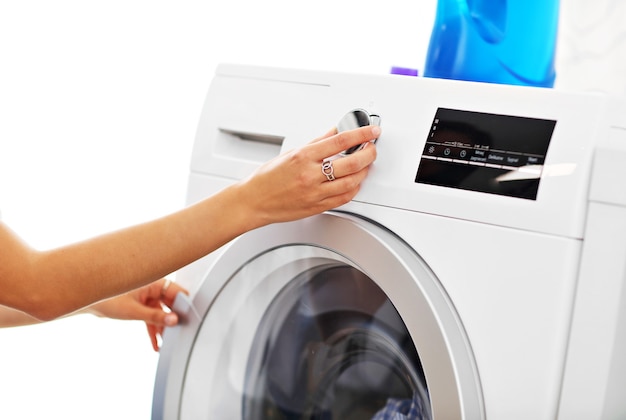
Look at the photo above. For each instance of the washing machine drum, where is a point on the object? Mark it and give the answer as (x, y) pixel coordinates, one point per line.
(333, 346)
(331, 317)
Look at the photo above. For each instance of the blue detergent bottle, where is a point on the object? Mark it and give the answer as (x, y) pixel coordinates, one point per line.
(497, 41)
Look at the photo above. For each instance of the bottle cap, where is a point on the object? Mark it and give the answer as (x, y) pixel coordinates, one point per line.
(404, 71)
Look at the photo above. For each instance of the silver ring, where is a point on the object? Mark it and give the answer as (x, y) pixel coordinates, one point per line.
(328, 170)
(166, 285)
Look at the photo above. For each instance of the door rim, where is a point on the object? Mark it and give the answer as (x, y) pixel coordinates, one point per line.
(417, 294)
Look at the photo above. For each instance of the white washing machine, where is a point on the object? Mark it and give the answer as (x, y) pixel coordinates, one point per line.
(478, 274)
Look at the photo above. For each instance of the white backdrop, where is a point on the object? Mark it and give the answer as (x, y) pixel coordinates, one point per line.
(99, 103)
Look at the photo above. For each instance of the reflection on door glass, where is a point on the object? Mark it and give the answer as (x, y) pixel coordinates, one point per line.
(332, 346)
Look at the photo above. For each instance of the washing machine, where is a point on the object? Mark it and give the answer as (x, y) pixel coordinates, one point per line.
(478, 273)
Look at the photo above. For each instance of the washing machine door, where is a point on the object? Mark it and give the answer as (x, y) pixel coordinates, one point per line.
(331, 317)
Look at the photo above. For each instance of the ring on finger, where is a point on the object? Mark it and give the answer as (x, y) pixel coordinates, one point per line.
(328, 170)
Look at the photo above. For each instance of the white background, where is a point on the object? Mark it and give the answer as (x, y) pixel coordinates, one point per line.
(99, 103)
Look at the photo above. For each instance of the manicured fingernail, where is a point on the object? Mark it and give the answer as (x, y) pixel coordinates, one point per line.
(171, 320)
(375, 131)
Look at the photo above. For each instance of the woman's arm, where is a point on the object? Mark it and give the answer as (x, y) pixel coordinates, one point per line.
(10, 317)
(49, 284)
(150, 304)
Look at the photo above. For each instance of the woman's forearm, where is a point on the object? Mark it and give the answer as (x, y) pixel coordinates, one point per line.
(59, 281)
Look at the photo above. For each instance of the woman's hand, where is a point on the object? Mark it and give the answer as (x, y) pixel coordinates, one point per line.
(293, 185)
(151, 304)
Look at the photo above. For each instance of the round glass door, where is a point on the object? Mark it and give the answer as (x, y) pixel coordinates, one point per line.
(331, 345)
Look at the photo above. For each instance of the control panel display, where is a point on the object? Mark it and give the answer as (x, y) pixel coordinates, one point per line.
(491, 153)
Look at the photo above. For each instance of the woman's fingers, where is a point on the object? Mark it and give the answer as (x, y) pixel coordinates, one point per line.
(328, 146)
(336, 169)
